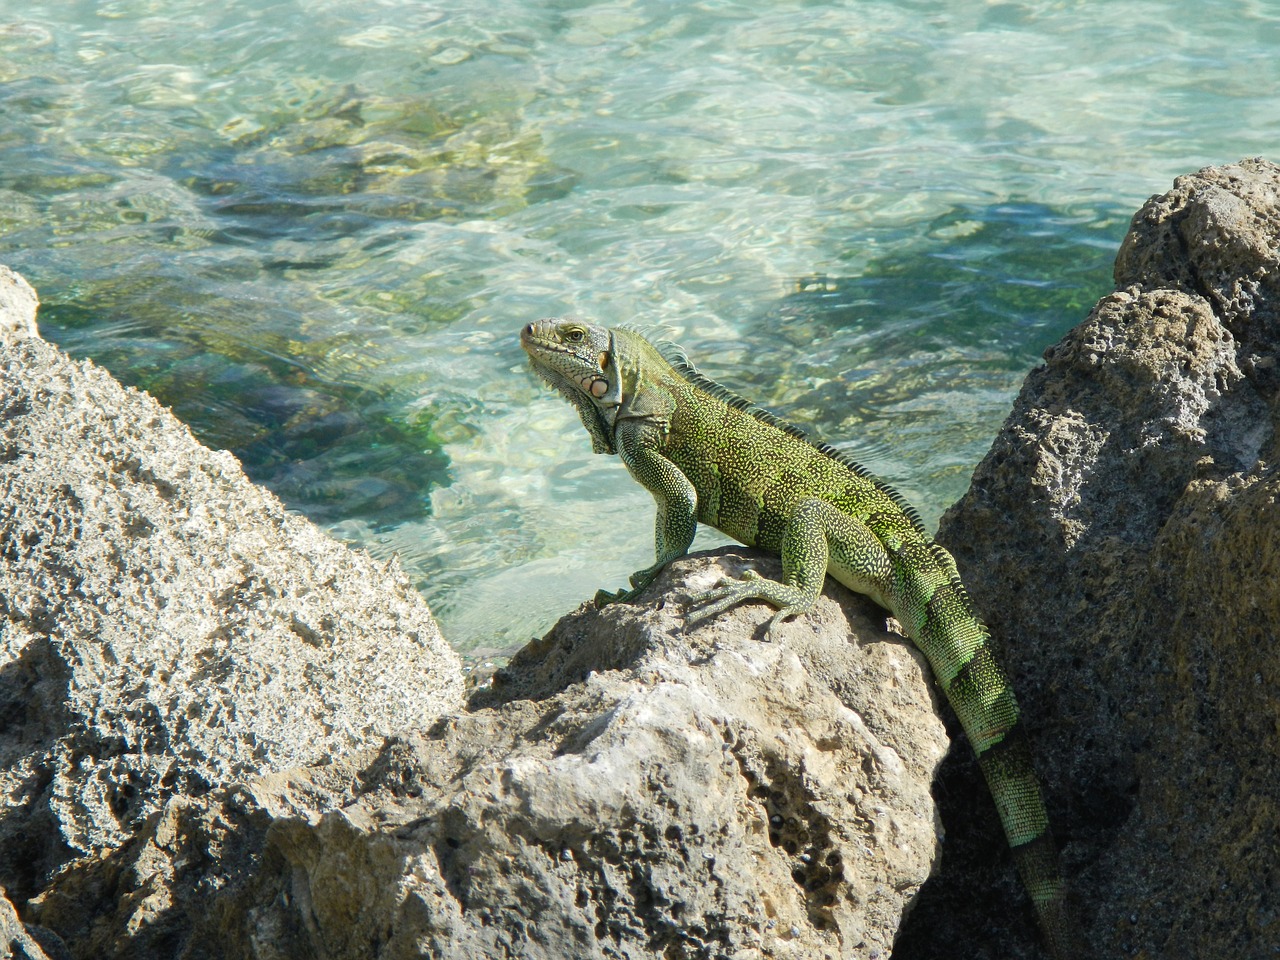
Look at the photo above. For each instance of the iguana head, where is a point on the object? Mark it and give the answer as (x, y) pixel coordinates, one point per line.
(577, 359)
(615, 379)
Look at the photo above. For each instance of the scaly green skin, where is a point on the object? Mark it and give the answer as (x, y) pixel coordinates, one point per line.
(707, 457)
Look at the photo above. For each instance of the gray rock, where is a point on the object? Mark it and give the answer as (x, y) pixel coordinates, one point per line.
(1213, 236)
(629, 788)
(1121, 538)
(167, 627)
(18, 304)
(16, 941)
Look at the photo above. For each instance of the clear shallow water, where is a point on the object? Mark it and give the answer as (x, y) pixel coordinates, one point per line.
(313, 229)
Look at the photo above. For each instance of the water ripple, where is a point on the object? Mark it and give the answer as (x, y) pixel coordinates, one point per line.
(313, 230)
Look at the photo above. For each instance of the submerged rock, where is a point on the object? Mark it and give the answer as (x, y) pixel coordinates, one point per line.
(1121, 537)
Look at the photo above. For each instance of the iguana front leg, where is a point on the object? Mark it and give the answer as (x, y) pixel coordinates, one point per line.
(675, 496)
(817, 537)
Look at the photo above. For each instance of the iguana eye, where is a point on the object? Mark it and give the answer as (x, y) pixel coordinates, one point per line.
(575, 335)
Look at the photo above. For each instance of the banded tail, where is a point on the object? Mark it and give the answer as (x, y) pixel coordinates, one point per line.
(939, 617)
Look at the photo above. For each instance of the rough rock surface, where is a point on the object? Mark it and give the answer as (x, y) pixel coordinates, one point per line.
(18, 305)
(1122, 537)
(653, 792)
(16, 940)
(167, 627)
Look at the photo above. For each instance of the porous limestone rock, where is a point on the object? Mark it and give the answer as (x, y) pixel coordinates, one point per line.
(17, 941)
(627, 788)
(18, 305)
(167, 627)
(1122, 538)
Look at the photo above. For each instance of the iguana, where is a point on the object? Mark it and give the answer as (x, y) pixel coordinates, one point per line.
(709, 456)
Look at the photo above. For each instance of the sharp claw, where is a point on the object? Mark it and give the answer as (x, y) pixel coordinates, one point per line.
(776, 621)
(725, 594)
(603, 597)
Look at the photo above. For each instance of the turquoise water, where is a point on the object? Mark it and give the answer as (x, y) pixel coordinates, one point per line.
(314, 228)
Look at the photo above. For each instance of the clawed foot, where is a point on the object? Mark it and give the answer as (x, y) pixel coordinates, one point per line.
(639, 580)
(729, 593)
(726, 593)
(604, 597)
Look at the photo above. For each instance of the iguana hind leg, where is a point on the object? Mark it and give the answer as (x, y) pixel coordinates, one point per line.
(818, 537)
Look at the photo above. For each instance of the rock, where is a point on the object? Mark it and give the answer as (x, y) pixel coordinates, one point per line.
(627, 788)
(18, 305)
(1214, 236)
(16, 940)
(1121, 535)
(166, 627)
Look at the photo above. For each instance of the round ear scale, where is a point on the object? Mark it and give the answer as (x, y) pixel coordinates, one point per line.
(600, 385)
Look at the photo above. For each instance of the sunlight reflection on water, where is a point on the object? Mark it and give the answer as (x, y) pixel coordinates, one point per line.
(314, 229)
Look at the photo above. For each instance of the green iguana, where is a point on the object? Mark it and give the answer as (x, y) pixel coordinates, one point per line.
(707, 455)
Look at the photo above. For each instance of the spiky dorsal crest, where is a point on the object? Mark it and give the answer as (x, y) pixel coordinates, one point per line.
(948, 563)
(674, 354)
